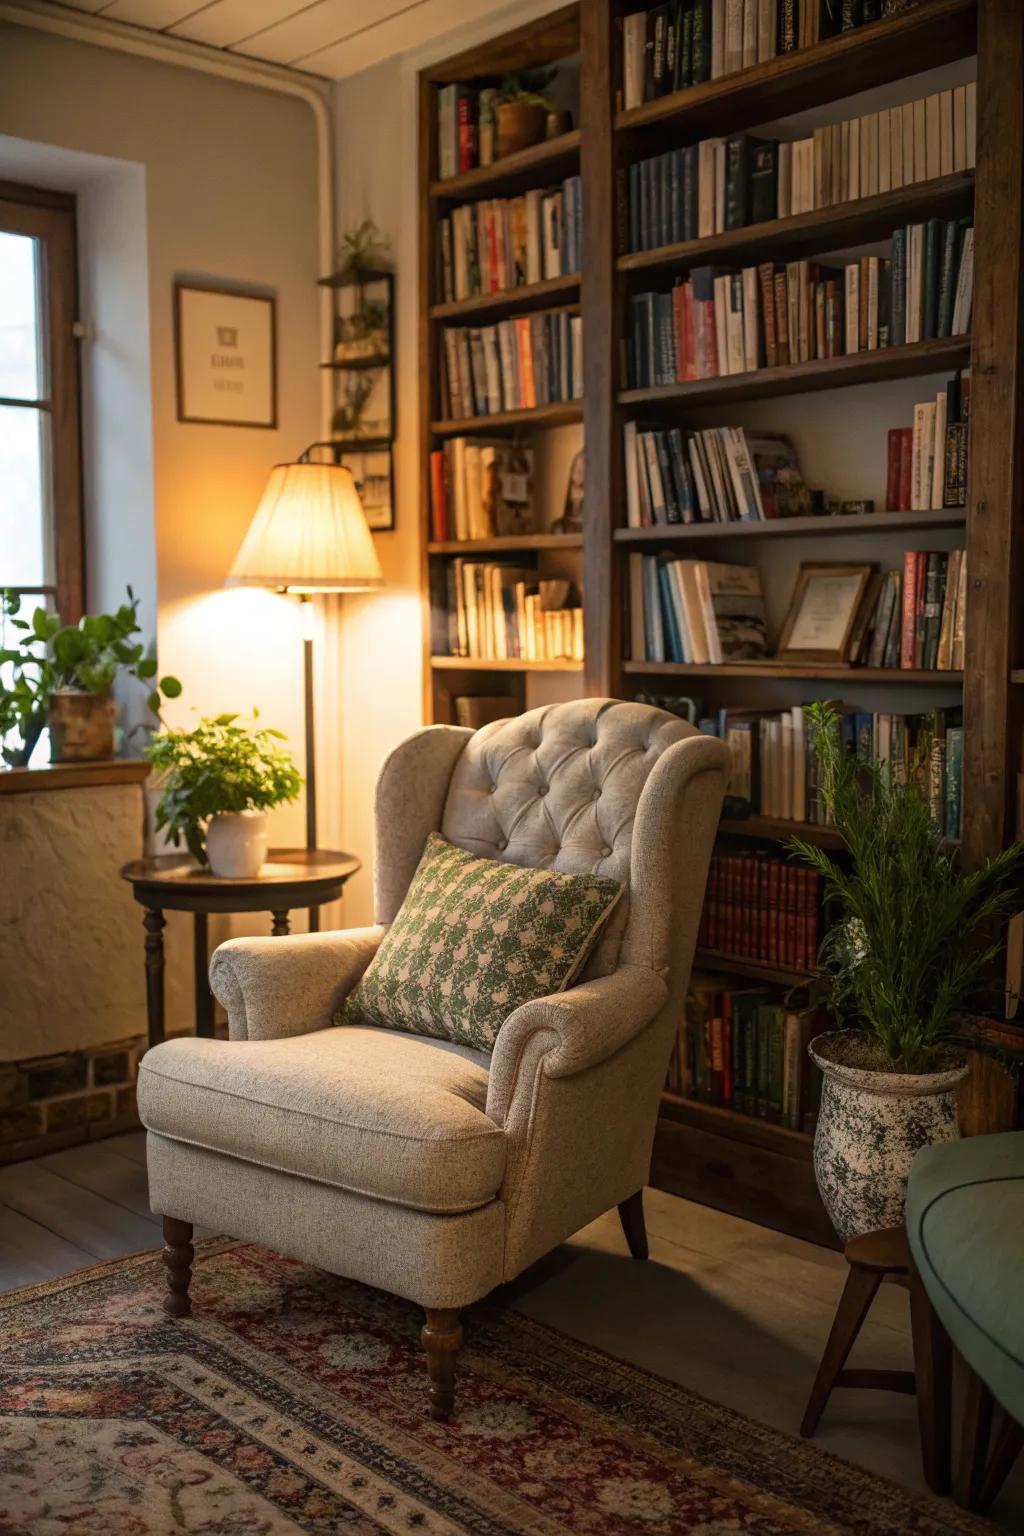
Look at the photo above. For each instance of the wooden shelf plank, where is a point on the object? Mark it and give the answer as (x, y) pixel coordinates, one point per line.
(776, 827)
(527, 296)
(905, 362)
(739, 965)
(920, 39)
(479, 664)
(723, 1121)
(559, 414)
(552, 159)
(788, 669)
(794, 527)
(824, 229)
(523, 541)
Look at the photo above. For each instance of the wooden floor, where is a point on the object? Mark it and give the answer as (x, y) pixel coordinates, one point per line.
(730, 1310)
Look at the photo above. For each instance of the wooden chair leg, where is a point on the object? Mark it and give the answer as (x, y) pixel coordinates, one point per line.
(631, 1214)
(442, 1339)
(1008, 1446)
(858, 1294)
(178, 1256)
(975, 1432)
(933, 1369)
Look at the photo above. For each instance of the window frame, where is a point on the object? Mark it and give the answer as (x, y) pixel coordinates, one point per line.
(49, 217)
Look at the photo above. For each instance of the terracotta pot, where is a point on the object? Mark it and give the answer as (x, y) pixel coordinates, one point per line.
(236, 844)
(81, 726)
(871, 1123)
(520, 124)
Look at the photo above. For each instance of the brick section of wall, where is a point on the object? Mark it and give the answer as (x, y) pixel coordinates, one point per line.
(51, 1102)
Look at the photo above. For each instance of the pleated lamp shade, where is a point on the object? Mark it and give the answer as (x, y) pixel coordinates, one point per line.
(309, 534)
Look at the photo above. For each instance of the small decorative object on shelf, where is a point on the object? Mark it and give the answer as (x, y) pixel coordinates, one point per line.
(571, 520)
(522, 111)
(62, 676)
(218, 781)
(905, 957)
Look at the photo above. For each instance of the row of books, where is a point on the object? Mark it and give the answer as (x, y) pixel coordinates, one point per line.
(719, 475)
(698, 611)
(927, 462)
(480, 489)
(466, 128)
(741, 1049)
(501, 243)
(721, 322)
(495, 612)
(685, 42)
(775, 770)
(918, 614)
(515, 365)
(762, 908)
(723, 184)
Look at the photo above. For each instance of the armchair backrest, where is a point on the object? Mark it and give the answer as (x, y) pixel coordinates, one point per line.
(600, 785)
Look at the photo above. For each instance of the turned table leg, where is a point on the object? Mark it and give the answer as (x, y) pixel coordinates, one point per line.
(442, 1337)
(153, 922)
(178, 1255)
(282, 926)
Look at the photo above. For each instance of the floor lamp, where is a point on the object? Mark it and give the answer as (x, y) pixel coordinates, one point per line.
(309, 534)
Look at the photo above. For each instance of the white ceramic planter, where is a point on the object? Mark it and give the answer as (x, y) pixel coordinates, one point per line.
(871, 1124)
(236, 843)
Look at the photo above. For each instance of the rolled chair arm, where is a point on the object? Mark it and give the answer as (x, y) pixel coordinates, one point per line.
(571, 1031)
(274, 988)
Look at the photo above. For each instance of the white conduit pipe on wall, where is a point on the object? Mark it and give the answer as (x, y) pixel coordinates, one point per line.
(185, 55)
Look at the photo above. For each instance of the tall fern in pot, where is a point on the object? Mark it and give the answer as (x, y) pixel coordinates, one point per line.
(908, 951)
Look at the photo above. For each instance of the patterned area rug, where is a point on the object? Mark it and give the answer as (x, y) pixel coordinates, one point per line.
(293, 1401)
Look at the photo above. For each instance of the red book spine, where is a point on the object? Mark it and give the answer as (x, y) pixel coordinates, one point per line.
(679, 327)
(892, 470)
(467, 135)
(774, 896)
(743, 909)
(438, 500)
(906, 468)
(920, 583)
(763, 908)
(727, 1048)
(691, 355)
(785, 925)
(909, 609)
(710, 338)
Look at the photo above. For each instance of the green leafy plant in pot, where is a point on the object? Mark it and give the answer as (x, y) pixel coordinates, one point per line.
(522, 110)
(218, 781)
(63, 675)
(907, 953)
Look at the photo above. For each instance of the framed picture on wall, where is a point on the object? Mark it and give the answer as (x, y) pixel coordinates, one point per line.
(372, 472)
(226, 357)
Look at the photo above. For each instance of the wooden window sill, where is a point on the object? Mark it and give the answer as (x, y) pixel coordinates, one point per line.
(120, 770)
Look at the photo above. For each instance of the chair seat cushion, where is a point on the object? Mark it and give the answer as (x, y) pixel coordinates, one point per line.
(388, 1115)
(475, 938)
(965, 1225)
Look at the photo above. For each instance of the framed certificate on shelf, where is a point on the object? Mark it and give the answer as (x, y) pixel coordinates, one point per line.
(823, 612)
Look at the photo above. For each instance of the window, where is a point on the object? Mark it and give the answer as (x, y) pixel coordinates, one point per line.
(40, 469)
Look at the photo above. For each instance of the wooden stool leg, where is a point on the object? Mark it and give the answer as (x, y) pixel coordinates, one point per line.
(442, 1338)
(933, 1369)
(858, 1294)
(178, 1256)
(1008, 1446)
(974, 1439)
(631, 1215)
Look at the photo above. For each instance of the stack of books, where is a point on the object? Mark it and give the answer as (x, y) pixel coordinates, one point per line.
(917, 615)
(697, 611)
(501, 243)
(741, 1049)
(720, 475)
(762, 909)
(723, 184)
(686, 42)
(515, 365)
(927, 463)
(479, 489)
(724, 322)
(495, 612)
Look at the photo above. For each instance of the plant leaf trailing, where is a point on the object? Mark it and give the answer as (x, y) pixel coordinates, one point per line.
(51, 655)
(528, 86)
(912, 942)
(218, 766)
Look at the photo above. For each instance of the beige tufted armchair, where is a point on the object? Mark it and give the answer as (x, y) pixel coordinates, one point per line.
(426, 1168)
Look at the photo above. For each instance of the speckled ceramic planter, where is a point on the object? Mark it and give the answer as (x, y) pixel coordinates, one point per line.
(870, 1125)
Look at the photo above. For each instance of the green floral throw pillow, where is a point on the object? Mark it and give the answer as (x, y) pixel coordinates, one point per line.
(475, 938)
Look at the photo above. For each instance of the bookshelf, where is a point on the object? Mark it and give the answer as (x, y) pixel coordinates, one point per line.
(749, 1166)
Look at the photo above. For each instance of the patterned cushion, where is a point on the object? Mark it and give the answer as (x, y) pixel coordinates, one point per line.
(473, 939)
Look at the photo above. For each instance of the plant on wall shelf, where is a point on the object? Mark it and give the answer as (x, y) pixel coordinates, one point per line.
(363, 250)
(528, 87)
(347, 420)
(63, 675)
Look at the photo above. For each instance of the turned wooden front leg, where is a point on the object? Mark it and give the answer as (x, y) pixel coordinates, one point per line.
(442, 1338)
(153, 922)
(178, 1256)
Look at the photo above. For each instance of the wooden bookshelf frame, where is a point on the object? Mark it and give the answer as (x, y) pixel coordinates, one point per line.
(752, 1168)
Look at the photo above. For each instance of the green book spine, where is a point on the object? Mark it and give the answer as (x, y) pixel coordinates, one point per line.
(954, 774)
(947, 279)
(776, 1063)
(701, 56)
(932, 247)
(684, 63)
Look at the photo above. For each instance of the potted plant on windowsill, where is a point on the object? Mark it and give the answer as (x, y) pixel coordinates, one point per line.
(62, 676)
(908, 951)
(218, 781)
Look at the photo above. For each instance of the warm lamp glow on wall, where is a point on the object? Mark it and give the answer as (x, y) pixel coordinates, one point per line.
(309, 535)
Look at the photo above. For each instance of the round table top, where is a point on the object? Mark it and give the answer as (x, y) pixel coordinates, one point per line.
(177, 874)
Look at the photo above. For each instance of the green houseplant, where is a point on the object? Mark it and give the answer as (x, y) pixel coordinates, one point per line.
(63, 675)
(907, 953)
(522, 110)
(218, 781)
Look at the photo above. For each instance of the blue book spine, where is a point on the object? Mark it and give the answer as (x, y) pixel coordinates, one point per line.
(673, 639)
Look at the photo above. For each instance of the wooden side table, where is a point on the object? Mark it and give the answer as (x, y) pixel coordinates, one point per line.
(872, 1258)
(291, 878)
